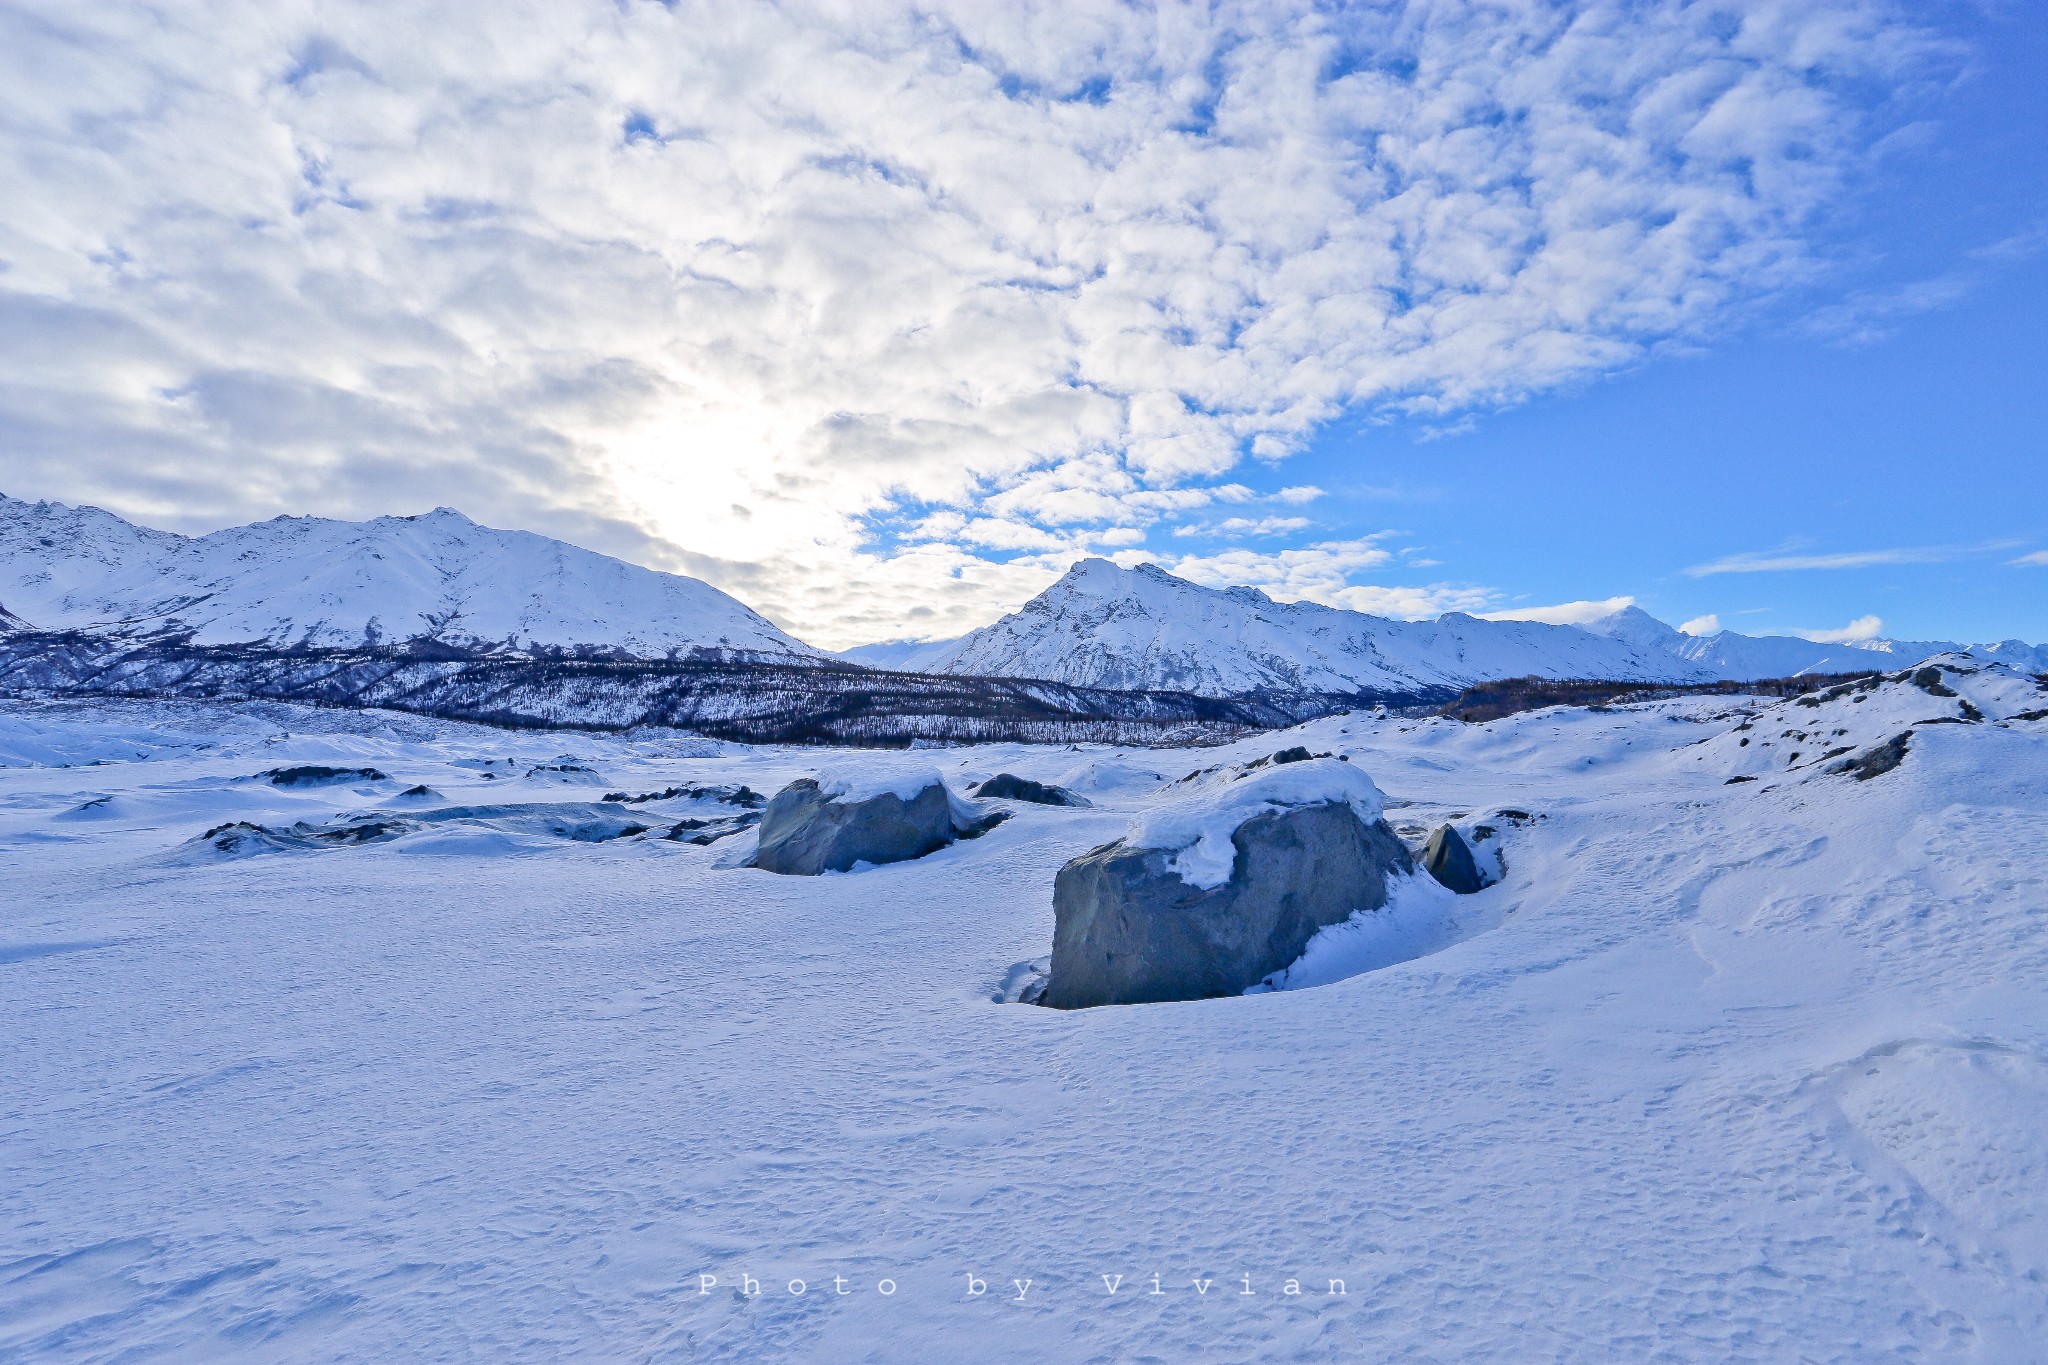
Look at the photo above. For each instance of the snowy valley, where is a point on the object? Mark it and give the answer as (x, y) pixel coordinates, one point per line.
(359, 1034)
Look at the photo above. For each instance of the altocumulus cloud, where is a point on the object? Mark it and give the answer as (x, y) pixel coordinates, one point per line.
(875, 315)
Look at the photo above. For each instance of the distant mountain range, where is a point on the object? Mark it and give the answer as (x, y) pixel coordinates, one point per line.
(441, 586)
(1105, 626)
(1729, 655)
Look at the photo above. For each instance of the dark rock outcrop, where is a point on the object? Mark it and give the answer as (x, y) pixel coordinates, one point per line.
(1448, 858)
(585, 823)
(699, 831)
(695, 791)
(1877, 760)
(1010, 787)
(1129, 930)
(317, 775)
(806, 831)
(1928, 680)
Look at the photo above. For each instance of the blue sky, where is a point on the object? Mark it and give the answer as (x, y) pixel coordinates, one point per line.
(1910, 420)
(881, 316)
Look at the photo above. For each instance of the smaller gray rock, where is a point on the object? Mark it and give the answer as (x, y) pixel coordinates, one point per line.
(805, 832)
(1010, 787)
(1448, 858)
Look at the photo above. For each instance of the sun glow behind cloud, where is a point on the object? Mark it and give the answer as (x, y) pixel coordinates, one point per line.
(876, 316)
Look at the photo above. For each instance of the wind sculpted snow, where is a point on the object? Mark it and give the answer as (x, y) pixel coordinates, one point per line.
(1750, 1071)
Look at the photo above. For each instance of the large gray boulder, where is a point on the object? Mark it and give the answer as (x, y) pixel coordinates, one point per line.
(811, 828)
(1131, 926)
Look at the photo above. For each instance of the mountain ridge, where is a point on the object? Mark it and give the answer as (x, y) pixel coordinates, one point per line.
(313, 581)
(441, 584)
(1104, 625)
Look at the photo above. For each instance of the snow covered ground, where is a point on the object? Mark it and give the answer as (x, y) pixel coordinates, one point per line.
(1719, 1071)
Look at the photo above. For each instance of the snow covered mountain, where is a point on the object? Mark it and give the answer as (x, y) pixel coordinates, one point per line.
(910, 656)
(1105, 626)
(297, 581)
(441, 578)
(1731, 655)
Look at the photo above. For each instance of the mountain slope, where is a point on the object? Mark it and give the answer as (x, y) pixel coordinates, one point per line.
(911, 656)
(309, 581)
(1105, 626)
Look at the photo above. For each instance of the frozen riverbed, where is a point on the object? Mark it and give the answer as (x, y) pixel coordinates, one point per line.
(1752, 1070)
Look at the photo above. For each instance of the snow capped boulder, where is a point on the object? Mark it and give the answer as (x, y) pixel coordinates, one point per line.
(828, 825)
(1209, 895)
(1010, 787)
(1448, 858)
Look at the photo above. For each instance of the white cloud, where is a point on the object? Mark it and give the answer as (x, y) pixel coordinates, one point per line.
(2038, 557)
(1564, 613)
(1321, 573)
(1873, 315)
(1233, 528)
(1408, 603)
(1862, 628)
(735, 286)
(1314, 572)
(1710, 624)
(1775, 563)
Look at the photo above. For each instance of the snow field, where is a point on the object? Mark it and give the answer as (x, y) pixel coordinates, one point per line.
(1718, 1072)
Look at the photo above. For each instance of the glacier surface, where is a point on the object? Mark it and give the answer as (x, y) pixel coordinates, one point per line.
(1743, 1059)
